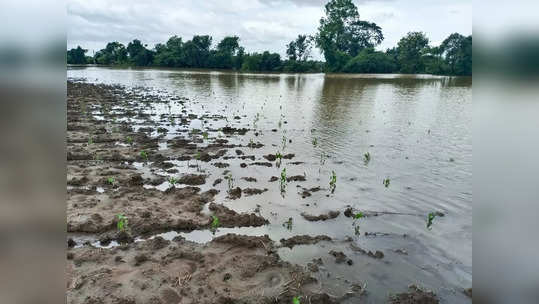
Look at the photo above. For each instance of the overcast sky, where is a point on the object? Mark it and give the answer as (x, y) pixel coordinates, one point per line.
(260, 24)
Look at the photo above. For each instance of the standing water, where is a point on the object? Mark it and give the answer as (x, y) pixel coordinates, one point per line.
(415, 130)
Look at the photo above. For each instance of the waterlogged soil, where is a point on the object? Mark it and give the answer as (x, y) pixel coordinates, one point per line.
(112, 171)
(173, 173)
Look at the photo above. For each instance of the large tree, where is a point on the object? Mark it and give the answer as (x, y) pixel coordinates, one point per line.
(342, 34)
(76, 56)
(113, 53)
(138, 54)
(411, 49)
(197, 51)
(299, 49)
(458, 54)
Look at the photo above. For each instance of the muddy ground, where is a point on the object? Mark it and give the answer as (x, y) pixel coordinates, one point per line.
(112, 172)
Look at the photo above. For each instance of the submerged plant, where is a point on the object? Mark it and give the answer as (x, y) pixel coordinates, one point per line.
(214, 224)
(283, 180)
(230, 181)
(386, 182)
(288, 224)
(315, 141)
(333, 181)
(366, 158)
(122, 222)
(430, 218)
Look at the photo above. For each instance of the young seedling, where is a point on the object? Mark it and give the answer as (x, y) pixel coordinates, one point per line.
(430, 218)
(122, 222)
(230, 181)
(295, 300)
(283, 180)
(333, 181)
(323, 157)
(284, 142)
(172, 180)
(315, 142)
(386, 182)
(278, 159)
(111, 180)
(357, 217)
(288, 224)
(129, 140)
(205, 135)
(144, 155)
(214, 224)
(367, 158)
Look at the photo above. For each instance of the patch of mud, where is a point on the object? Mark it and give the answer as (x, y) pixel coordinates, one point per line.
(415, 295)
(303, 240)
(321, 217)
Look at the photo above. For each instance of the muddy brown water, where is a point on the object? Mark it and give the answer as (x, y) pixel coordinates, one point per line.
(417, 130)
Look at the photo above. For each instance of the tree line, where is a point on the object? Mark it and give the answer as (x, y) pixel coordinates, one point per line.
(347, 43)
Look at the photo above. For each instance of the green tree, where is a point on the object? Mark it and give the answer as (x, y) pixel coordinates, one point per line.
(196, 52)
(223, 56)
(138, 54)
(370, 61)
(113, 53)
(458, 54)
(299, 49)
(411, 49)
(76, 56)
(342, 35)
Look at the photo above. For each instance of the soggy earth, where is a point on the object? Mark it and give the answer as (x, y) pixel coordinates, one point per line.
(170, 200)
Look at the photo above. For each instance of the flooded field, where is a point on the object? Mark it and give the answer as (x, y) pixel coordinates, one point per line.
(330, 180)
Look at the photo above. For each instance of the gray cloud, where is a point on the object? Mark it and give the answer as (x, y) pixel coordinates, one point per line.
(261, 24)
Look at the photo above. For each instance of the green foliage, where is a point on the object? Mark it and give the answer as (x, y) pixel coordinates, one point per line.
(122, 222)
(315, 142)
(144, 155)
(359, 215)
(214, 224)
(129, 140)
(77, 56)
(366, 158)
(342, 35)
(265, 62)
(172, 180)
(205, 135)
(386, 182)
(299, 49)
(411, 49)
(283, 180)
(370, 61)
(332, 181)
(295, 300)
(430, 218)
(111, 180)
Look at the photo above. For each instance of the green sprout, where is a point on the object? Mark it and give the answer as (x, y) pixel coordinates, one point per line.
(230, 181)
(333, 181)
(278, 158)
(357, 217)
(385, 182)
(323, 157)
(288, 224)
(144, 155)
(197, 156)
(111, 180)
(430, 218)
(283, 180)
(315, 141)
(129, 140)
(205, 135)
(172, 180)
(214, 224)
(122, 222)
(366, 158)
(295, 300)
